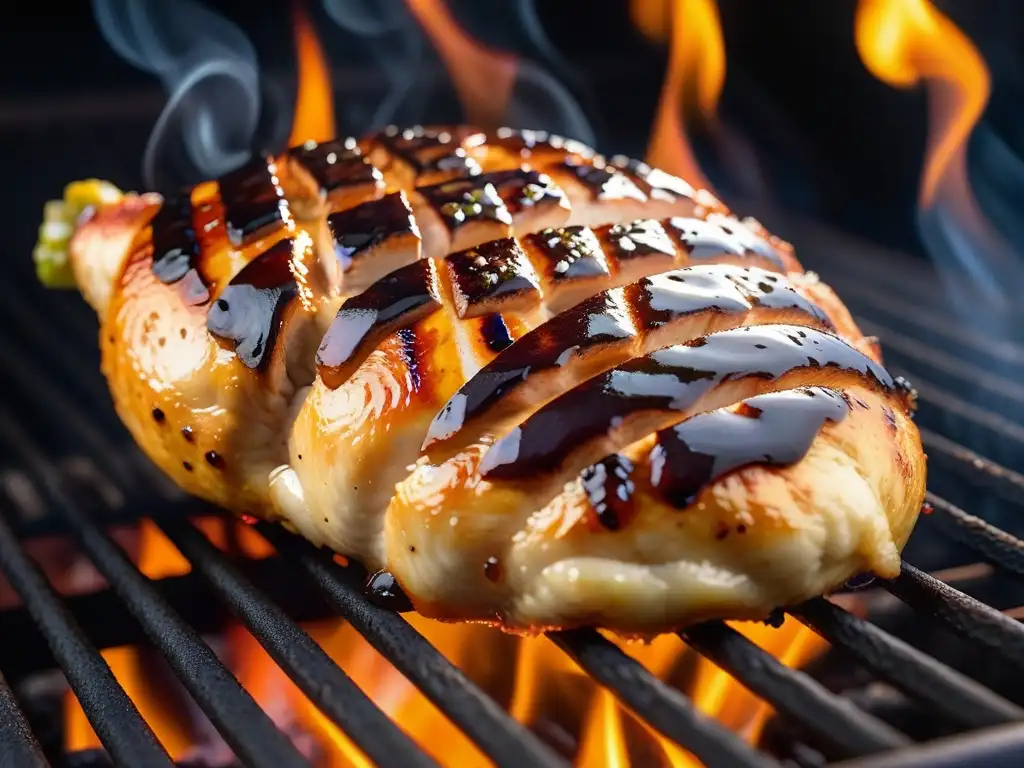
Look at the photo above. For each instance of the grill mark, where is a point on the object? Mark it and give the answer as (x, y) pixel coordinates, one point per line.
(336, 164)
(395, 301)
(668, 381)
(247, 316)
(176, 250)
(254, 203)
(775, 429)
(609, 323)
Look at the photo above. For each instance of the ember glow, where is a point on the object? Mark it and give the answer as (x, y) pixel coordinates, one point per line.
(909, 42)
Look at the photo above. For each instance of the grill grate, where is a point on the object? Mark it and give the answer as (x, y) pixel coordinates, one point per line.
(50, 363)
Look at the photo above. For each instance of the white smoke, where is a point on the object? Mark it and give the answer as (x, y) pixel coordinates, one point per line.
(208, 68)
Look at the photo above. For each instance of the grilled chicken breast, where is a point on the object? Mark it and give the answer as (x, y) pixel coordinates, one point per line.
(540, 388)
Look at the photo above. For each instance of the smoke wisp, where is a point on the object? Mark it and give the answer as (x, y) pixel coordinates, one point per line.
(208, 68)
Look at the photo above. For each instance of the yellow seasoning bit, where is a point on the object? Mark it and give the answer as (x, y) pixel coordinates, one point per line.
(59, 220)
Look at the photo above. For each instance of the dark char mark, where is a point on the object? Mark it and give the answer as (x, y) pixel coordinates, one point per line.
(358, 229)
(668, 380)
(609, 487)
(608, 319)
(246, 316)
(397, 300)
(253, 200)
(337, 163)
(176, 253)
(775, 429)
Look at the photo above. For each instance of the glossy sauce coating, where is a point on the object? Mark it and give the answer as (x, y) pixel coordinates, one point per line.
(397, 300)
(617, 316)
(668, 380)
(523, 188)
(176, 250)
(717, 235)
(609, 487)
(359, 229)
(571, 253)
(636, 239)
(776, 429)
(495, 275)
(603, 182)
(335, 164)
(463, 201)
(431, 149)
(246, 316)
(253, 200)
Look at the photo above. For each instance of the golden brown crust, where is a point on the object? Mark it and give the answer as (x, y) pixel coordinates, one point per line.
(212, 308)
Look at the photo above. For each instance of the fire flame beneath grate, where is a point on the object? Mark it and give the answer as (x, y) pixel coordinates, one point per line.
(543, 689)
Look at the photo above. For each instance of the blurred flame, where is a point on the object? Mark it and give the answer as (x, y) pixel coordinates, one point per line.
(314, 103)
(543, 685)
(483, 79)
(903, 42)
(693, 81)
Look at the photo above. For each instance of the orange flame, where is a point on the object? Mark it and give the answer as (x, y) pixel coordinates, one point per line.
(693, 82)
(903, 42)
(314, 104)
(483, 80)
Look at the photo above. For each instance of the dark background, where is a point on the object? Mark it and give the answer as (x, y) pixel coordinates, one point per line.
(830, 140)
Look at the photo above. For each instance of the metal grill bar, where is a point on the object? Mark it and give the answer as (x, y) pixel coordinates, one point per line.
(851, 731)
(974, 467)
(112, 714)
(1001, 747)
(489, 726)
(659, 705)
(307, 665)
(953, 695)
(984, 538)
(18, 745)
(245, 726)
(964, 615)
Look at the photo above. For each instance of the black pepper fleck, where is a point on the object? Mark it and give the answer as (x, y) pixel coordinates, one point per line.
(187, 466)
(186, 432)
(215, 460)
(721, 530)
(158, 416)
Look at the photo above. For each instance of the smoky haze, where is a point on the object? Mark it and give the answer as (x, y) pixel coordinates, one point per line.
(208, 68)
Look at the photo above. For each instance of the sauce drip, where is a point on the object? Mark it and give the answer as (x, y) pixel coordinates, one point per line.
(396, 300)
(609, 487)
(612, 319)
(337, 163)
(247, 314)
(384, 591)
(668, 381)
(358, 229)
(176, 250)
(253, 200)
(776, 429)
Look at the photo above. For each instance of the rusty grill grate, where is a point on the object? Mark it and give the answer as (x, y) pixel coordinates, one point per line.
(51, 386)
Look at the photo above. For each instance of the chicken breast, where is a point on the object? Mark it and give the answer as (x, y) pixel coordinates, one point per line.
(538, 388)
